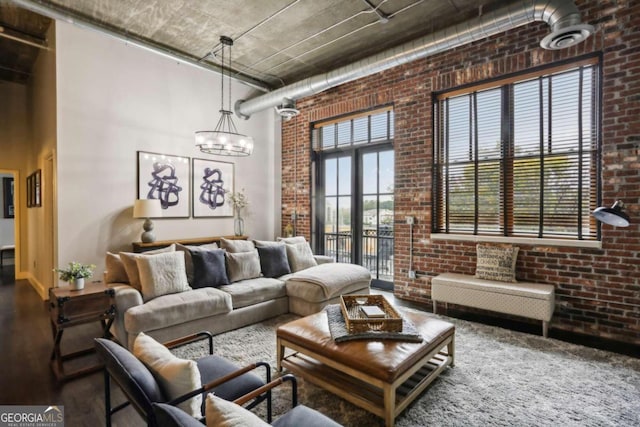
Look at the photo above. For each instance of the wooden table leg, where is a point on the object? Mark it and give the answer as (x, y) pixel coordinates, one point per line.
(389, 405)
(279, 354)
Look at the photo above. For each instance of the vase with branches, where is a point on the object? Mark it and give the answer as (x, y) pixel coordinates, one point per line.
(239, 201)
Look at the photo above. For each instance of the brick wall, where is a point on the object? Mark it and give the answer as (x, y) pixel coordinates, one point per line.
(597, 290)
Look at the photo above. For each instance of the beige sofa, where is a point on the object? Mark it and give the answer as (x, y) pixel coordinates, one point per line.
(241, 302)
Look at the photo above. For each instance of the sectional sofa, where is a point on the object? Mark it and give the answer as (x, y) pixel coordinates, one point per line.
(181, 289)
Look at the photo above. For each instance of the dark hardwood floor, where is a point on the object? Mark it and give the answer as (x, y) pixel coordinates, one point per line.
(26, 343)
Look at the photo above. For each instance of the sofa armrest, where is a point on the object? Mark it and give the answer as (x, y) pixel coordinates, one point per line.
(126, 296)
(323, 259)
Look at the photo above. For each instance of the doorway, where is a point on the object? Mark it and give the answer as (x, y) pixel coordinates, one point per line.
(357, 201)
(9, 230)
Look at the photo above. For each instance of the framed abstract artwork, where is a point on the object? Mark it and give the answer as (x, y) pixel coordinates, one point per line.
(165, 177)
(213, 181)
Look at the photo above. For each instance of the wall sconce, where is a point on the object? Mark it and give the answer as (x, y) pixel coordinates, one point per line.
(613, 215)
(147, 208)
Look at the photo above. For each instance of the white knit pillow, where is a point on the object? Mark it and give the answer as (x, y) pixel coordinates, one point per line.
(221, 413)
(176, 376)
(131, 267)
(162, 274)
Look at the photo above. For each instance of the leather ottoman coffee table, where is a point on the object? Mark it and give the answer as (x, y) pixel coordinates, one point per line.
(383, 377)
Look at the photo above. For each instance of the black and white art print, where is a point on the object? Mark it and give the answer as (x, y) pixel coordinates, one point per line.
(165, 177)
(213, 182)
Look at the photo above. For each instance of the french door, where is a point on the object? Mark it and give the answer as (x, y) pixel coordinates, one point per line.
(354, 205)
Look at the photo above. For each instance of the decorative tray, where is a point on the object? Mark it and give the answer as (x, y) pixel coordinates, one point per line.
(357, 321)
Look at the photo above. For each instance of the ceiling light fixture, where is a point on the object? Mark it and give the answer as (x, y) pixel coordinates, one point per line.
(225, 139)
(613, 215)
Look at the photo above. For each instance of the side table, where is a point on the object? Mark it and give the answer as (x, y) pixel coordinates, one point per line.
(68, 308)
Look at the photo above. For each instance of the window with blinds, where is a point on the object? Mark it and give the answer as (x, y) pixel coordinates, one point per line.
(370, 127)
(520, 157)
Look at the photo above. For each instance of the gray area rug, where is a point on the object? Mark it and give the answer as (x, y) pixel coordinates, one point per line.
(501, 377)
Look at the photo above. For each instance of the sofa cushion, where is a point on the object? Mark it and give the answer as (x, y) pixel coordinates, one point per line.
(188, 261)
(131, 267)
(326, 281)
(162, 274)
(273, 260)
(221, 413)
(253, 291)
(173, 309)
(300, 256)
(176, 376)
(116, 272)
(236, 246)
(496, 262)
(209, 268)
(292, 240)
(243, 265)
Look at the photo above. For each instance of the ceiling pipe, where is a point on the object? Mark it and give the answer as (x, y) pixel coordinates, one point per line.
(62, 14)
(561, 15)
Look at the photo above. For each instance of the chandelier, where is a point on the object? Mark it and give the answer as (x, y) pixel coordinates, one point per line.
(225, 139)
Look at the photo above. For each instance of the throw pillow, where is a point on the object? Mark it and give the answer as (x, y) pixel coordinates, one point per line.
(130, 266)
(496, 262)
(244, 265)
(273, 260)
(209, 268)
(162, 274)
(292, 240)
(236, 246)
(115, 269)
(188, 262)
(175, 376)
(222, 413)
(300, 256)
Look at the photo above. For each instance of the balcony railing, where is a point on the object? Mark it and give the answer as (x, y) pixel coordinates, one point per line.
(377, 250)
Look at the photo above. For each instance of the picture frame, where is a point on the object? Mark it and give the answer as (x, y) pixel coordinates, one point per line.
(8, 197)
(29, 191)
(165, 177)
(37, 188)
(212, 183)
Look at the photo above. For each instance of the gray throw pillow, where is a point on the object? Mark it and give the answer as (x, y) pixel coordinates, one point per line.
(209, 268)
(300, 256)
(188, 262)
(236, 246)
(244, 265)
(292, 240)
(273, 260)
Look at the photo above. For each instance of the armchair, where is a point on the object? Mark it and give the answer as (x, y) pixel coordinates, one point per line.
(142, 390)
(168, 415)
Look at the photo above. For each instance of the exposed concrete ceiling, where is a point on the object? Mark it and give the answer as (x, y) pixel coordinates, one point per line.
(277, 42)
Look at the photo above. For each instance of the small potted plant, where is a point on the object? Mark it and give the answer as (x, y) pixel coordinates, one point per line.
(75, 274)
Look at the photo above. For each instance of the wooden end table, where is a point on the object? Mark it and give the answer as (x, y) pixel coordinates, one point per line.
(69, 308)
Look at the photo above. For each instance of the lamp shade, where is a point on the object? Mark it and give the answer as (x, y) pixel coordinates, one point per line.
(147, 208)
(613, 215)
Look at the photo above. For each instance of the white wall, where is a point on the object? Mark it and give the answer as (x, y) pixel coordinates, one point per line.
(114, 99)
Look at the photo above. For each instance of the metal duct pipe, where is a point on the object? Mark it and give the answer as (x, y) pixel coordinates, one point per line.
(62, 14)
(562, 16)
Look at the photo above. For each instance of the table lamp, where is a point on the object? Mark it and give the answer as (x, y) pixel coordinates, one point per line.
(147, 208)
